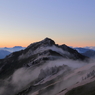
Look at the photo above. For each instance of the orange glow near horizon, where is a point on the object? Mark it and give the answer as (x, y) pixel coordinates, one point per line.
(37, 19)
(77, 44)
(25, 44)
(15, 44)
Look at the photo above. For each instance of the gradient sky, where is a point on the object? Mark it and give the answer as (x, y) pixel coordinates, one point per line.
(70, 22)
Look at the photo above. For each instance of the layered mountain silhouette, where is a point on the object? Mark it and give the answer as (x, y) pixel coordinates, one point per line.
(86, 52)
(6, 51)
(89, 53)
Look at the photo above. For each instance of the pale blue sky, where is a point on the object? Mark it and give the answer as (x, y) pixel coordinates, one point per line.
(70, 22)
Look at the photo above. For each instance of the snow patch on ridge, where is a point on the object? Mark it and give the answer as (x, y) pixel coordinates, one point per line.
(42, 49)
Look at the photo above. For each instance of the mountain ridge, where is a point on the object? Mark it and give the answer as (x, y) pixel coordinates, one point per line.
(39, 65)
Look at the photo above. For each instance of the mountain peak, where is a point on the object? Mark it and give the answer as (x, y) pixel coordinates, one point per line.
(43, 43)
(47, 38)
(48, 41)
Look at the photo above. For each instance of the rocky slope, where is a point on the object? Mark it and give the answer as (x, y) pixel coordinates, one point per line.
(40, 68)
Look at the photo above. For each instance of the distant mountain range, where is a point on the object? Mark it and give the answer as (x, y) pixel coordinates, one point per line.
(90, 47)
(6, 51)
(87, 51)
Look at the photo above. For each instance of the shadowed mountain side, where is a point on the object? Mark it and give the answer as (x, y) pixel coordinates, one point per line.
(73, 52)
(37, 53)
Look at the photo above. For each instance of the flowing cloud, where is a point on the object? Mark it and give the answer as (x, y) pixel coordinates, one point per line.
(24, 76)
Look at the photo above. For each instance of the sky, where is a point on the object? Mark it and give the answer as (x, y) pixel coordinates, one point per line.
(70, 22)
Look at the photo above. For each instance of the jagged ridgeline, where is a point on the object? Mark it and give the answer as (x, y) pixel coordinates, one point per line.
(41, 65)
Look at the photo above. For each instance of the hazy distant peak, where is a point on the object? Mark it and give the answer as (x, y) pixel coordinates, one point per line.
(90, 47)
(5, 48)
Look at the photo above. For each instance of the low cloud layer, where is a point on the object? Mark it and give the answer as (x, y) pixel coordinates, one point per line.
(23, 76)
